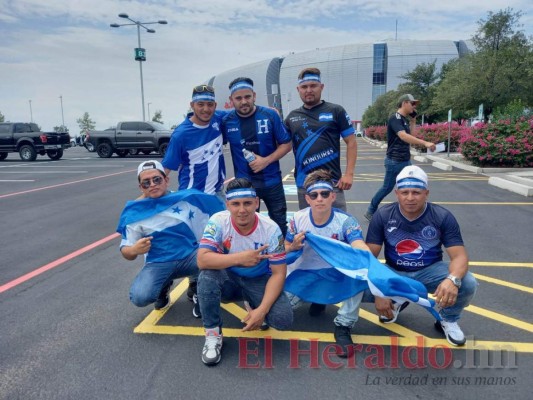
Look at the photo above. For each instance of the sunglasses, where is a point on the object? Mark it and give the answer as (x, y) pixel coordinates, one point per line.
(324, 194)
(156, 180)
(203, 88)
(414, 103)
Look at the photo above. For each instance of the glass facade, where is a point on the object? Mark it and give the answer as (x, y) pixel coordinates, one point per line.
(379, 74)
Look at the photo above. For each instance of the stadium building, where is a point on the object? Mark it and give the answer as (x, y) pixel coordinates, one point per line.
(355, 75)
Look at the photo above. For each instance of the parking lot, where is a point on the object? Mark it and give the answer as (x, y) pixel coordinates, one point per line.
(69, 331)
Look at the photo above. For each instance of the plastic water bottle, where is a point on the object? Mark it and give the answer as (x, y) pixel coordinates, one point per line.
(248, 155)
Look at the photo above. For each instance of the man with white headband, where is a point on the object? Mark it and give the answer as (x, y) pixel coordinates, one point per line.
(322, 219)
(260, 131)
(316, 129)
(195, 151)
(413, 232)
(241, 257)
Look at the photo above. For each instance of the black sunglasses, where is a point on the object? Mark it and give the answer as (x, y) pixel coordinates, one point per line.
(156, 180)
(203, 88)
(324, 194)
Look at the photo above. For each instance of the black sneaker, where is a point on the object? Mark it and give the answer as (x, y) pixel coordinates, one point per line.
(397, 309)
(196, 313)
(163, 301)
(343, 337)
(191, 290)
(316, 309)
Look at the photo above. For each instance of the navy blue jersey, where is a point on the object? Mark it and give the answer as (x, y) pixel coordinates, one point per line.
(316, 135)
(397, 149)
(196, 153)
(413, 245)
(261, 133)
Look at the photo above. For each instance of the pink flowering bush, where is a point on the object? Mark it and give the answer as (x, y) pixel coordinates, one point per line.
(500, 144)
(377, 133)
(437, 133)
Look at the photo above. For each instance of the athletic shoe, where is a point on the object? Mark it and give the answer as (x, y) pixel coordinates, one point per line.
(191, 290)
(196, 313)
(211, 353)
(397, 309)
(264, 327)
(368, 216)
(452, 331)
(343, 338)
(316, 309)
(163, 301)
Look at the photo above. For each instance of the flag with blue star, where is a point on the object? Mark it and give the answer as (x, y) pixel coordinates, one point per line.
(176, 222)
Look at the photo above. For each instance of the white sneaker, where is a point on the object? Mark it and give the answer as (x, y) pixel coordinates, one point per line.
(212, 347)
(452, 331)
(397, 309)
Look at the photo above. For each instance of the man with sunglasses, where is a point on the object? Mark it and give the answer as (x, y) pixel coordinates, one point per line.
(241, 257)
(258, 130)
(399, 139)
(195, 151)
(320, 218)
(316, 129)
(164, 228)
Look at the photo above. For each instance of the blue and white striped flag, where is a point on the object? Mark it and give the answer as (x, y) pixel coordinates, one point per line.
(176, 221)
(329, 271)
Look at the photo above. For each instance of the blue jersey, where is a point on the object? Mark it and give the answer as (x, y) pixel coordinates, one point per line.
(196, 153)
(413, 245)
(261, 133)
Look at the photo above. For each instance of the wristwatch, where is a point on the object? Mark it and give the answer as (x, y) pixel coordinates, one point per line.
(456, 281)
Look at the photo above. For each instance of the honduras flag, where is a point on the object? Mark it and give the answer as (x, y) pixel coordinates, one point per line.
(328, 271)
(176, 221)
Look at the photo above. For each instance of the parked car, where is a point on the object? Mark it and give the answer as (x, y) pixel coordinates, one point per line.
(28, 140)
(130, 136)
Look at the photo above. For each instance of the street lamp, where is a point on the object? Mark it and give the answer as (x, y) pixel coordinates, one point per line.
(149, 118)
(31, 112)
(62, 116)
(140, 53)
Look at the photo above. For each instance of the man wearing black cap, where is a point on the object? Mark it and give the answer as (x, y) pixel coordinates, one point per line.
(399, 139)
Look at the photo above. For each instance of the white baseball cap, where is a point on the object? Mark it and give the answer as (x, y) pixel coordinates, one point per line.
(412, 177)
(150, 164)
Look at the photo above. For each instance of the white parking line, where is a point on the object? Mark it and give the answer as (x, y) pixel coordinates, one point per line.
(43, 172)
(17, 180)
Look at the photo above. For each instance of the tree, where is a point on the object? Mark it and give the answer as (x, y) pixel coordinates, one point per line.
(499, 72)
(85, 123)
(158, 116)
(379, 112)
(1, 117)
(61, 128)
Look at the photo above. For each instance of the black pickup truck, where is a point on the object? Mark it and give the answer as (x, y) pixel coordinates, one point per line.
(28, 140)
(130, 137)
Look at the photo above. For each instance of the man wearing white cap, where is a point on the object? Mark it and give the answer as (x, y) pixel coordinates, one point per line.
(165, 229)
(400, 137)
(413, 231)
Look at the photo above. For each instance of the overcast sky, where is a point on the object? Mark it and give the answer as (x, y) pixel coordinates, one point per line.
(66, 48)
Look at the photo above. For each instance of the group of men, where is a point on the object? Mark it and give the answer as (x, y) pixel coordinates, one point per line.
(236, 254)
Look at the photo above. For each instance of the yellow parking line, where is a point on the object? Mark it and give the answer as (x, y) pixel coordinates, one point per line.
(504, 283)
(500, 264)
(500, 318)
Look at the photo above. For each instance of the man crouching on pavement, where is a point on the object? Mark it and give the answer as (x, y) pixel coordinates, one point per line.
(241, 257)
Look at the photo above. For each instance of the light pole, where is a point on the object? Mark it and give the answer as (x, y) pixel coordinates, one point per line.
(149, 118)
(31, 112)
(140, 54)
(62, 116)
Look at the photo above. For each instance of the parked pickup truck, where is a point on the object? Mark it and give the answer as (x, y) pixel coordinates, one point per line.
(131, 136)
(28, 140)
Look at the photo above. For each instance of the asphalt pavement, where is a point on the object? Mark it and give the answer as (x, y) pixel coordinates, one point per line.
(69, 331)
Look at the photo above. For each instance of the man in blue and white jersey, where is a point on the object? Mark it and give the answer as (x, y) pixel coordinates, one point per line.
(316, 129)
(413, 232)
(260, 131)
(195, 148)
(320, 218)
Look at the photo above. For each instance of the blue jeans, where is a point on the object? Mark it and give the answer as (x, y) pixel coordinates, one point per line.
(215, 286)
(392, 169)
(340, 201)
(274, 199)
(153, 277)
(431, 277)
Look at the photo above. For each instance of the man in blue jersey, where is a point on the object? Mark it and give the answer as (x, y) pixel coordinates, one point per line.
(322, 219)
(195, 151)
(413, 232)
(316, 129)
(400, 131)
(260, 131)
(195, 148)
(241, 257)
